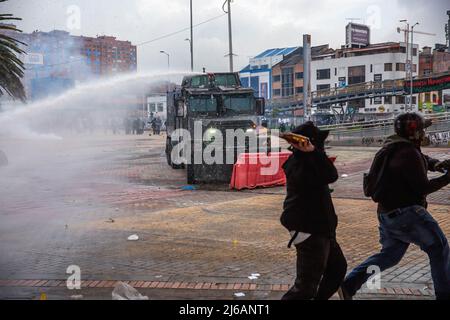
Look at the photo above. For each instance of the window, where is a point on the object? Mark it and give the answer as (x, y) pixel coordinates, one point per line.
(378, 100)
(287, 82)
(378, 77)
(254, 84)
(388, 67)
(160, 107)
(299, 90)
(414, 68)
(203, 104)
(414, 52)
(400, 99)
(276, 92)
(427, 97)
(400, 66)
(238, 103)
(323, 74)
(152, 107)
(427, 72)
(323, 87)
(299, 75)
(265, 66)
(277, 78)
(371, 68)
(335, 71)
(388, 100)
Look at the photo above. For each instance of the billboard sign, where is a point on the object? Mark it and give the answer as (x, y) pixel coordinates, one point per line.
(357, 35)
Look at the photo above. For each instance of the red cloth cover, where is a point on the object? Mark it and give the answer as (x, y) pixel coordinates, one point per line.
(253, 170)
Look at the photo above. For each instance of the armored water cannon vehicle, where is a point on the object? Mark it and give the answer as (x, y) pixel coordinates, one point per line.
(204, 108)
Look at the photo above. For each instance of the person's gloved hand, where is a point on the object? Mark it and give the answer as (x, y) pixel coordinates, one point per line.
(442, 166)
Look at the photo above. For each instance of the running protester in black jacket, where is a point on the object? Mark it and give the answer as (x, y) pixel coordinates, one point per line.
(310, 218)
(402, 208)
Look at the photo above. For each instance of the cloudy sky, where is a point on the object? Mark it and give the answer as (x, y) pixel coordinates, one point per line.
(257, 24)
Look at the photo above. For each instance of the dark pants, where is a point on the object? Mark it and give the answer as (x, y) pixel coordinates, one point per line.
(398, 229)
(321, 268)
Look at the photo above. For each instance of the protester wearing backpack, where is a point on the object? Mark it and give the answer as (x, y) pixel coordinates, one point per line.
(398, 182)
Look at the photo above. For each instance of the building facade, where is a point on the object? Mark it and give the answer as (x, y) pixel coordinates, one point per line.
(374, 63)
(258, 73)
(157, 106)
(433, 61)
(344, 67)
(57, 60)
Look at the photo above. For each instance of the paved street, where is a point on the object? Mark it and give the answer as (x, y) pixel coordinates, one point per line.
(76, 201)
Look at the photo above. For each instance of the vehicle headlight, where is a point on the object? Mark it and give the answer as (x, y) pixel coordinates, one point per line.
(250, 130)
(210, 133)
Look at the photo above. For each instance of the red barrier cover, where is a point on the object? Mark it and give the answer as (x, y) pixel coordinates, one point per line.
(253, 170)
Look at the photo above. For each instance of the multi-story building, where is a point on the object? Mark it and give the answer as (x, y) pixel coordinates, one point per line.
(433, 61)
(157, 106)
(258, 73)
(106, 55)
(56, 60)
(287, 75)
(373, 63)
(343, 67)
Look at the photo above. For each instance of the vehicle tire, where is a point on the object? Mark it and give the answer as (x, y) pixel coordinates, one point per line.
(168, 152)
(169, 148)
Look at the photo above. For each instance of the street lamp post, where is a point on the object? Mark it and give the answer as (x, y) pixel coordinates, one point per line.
(230, 35)
(191, 40)
(168, 68)
(411, 66)
(168, 59)
(407, 72)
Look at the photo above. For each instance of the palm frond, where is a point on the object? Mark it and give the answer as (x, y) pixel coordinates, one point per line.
(11, 67)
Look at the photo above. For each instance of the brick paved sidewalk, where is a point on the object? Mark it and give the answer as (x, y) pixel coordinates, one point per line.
(209, 239)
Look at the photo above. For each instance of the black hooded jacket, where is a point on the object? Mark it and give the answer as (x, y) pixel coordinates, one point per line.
(308, 206)
(405, 182)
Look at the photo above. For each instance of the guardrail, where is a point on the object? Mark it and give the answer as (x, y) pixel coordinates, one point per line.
(440, 117)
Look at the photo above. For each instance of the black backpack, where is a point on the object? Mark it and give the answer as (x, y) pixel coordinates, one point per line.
(372, 180)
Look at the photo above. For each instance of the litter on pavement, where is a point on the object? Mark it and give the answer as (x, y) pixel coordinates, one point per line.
(188, 188)
(133, 237)
(123, 291)
(239, 294)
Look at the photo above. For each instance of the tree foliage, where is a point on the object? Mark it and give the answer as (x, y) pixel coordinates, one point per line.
(11, 67)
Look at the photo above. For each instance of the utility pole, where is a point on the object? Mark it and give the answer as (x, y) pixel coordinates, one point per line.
(192, 40)
(407, 72)
(411, 66)
(230, 36)
(409, 62)
(307, 76)
(447, 31)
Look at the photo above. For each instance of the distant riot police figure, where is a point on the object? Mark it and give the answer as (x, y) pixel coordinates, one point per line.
(309, 216)
(398, 182)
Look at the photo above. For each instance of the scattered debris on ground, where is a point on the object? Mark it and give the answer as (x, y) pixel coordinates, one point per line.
(123, 291)
(133, 237)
